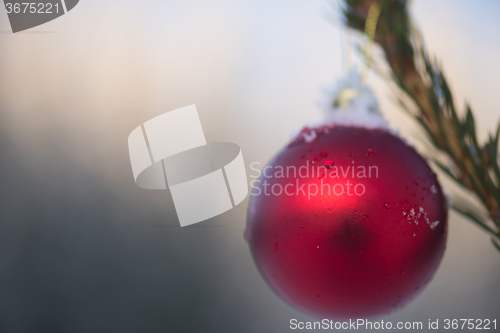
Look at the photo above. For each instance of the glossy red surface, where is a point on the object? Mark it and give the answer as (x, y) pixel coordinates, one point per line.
(348, 256)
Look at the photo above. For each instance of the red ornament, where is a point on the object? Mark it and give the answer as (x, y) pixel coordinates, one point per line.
(360, 235)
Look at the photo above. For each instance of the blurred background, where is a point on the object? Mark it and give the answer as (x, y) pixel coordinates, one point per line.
(83, 249)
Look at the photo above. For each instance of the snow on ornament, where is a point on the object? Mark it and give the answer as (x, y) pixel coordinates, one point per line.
(348, 221)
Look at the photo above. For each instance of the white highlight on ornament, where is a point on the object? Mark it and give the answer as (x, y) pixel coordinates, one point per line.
(433, 189)
(351, 103)
(413, 216)
(434, 225)
(308, 138)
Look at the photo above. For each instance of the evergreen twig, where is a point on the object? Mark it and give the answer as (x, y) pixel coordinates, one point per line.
(472, 165)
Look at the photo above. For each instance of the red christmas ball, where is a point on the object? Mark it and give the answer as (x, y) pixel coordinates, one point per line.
(347, 222)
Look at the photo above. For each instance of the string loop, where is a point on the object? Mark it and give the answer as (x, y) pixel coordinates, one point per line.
(370, 28)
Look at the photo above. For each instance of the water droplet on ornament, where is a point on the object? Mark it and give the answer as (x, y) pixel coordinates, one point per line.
(318, 246)
(416, 182)
(414, 233)
(406, 262)
(323, 154)
(433, 189)
(366, 217)
(301, 227)
(434, 225)
(402, 271)
(353, 236)
(328, 164)
(387, 205)
(407, 187)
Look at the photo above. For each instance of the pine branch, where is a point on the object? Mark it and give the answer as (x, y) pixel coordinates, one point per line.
(472, 165)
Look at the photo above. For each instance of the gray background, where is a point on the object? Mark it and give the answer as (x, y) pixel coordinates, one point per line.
(82, 249)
